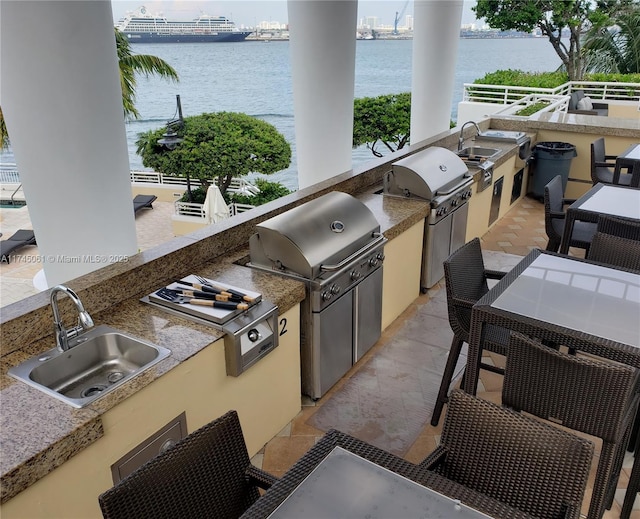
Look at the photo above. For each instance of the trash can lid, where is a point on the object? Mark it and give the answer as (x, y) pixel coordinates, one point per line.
(555, 145)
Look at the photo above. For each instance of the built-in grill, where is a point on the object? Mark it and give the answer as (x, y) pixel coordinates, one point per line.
(442, 179)
(332, 243)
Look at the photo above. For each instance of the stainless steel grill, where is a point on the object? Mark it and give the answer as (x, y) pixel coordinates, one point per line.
(442, 179)
(334, 245)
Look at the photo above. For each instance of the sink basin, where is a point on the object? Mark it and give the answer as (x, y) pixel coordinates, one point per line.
(102, 360)
(477, 153)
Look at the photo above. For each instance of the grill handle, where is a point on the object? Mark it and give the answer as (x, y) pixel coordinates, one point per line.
(379, 238)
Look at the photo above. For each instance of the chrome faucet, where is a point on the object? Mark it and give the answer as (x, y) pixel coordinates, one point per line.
(461, 138)
(84, 319)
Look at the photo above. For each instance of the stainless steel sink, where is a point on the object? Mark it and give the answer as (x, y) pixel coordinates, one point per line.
(102, 360)
(477, 153)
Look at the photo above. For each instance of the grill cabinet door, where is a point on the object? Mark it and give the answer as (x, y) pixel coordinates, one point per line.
(368, 314)
(333, 343)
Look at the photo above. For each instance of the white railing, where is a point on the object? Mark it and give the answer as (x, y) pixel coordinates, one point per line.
(240, 185)
(504, 94)
(553, 104)
(190, 209)
(198, 211)
(153, 177)
(235, 209)
(9, 173)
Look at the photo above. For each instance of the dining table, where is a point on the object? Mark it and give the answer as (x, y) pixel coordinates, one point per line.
(601, 199)
(342, 476)
(565, 300)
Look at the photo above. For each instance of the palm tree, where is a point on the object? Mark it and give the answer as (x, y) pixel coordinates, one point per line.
(133, 64)
(616, 49)
(130, 64)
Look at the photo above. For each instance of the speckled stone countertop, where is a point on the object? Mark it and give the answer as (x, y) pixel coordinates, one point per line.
(39, 432)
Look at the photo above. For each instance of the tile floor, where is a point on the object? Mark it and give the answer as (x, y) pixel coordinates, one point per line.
(388, 397)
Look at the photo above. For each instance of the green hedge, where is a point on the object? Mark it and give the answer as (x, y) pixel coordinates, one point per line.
(547, 79)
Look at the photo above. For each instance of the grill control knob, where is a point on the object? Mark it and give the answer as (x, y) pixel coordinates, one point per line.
(326, 296)
(454, 202)
(253, 335)
(335, 289)
(355, 275)
(380, 256)
(373, 262)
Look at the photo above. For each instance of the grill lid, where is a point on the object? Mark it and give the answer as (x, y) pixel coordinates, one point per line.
(433, 172)
(325, 230)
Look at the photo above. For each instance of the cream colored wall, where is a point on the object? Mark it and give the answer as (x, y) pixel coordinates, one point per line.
(626, 110)
(479, 205)
(401, 280)
(164, 193)
(266, 396)
(581, 164)
(182, 225)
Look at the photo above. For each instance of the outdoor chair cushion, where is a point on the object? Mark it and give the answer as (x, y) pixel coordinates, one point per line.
(19, 239)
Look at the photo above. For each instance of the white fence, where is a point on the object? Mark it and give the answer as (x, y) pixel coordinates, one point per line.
(238, 185)
(506, 95)
(197, 210)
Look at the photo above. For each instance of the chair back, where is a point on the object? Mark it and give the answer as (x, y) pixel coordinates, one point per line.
(583, 394)
(599, 172)
(615, 251)
(466, 284)
(518, 460)
(619, 227)
(553, 196)
(203, 475)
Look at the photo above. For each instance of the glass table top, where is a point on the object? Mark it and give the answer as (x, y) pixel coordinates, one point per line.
(615, 201)
(346, 485)
(603, 302)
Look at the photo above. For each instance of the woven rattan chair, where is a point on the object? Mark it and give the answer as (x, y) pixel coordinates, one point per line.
(466, 282)
(206, 474)
(619, 227)
(585, 394)
(516, 459)
(615, 251)
(554, 219)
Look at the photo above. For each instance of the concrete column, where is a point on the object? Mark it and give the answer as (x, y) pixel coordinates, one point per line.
(62, 103)
(436, 34)
(323, 53)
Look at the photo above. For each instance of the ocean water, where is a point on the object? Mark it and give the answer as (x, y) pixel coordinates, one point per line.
(255, 78)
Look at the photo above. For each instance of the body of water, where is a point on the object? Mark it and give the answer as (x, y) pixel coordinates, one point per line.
(255, 78)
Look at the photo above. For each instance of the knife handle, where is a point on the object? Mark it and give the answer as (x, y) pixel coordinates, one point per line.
(219, 304)
(204, 295)
(236, 293)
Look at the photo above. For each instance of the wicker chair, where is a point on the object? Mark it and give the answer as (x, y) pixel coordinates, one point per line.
(466, 282)
(513, 458)
(615, 251)
(630, 178)
(554, 219)
(622, 227)
(206, 474)
(602, 164)
(592, 396)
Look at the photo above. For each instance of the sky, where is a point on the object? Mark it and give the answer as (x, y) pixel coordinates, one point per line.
(252, 12)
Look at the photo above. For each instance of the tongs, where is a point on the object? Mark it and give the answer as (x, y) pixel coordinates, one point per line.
(174, 297)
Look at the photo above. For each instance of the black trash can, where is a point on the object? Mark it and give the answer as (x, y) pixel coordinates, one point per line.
(551, 159)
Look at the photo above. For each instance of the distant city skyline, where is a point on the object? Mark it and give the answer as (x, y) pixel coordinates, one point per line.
(251, 13)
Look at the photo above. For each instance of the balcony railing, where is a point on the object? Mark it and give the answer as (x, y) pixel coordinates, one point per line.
(506, 95)
(238, 185)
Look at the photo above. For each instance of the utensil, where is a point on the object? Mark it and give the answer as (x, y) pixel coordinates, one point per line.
(173, 297)
(201, 295)
(236, 293)
(207, 288)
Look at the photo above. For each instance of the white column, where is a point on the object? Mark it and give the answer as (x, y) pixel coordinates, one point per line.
(436, 33)
(62, 103)
(323, 53)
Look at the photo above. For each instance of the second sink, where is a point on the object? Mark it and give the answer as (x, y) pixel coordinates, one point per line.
(477, 153)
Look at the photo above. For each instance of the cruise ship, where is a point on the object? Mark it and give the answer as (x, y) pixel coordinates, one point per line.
(143, 27)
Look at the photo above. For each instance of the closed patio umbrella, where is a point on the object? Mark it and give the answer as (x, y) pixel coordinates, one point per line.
(215, 207)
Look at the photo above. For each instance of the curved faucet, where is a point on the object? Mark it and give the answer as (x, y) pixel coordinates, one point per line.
(461, 138)
(84, 319)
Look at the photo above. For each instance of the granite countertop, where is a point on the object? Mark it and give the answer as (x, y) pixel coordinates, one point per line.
(39, 432)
